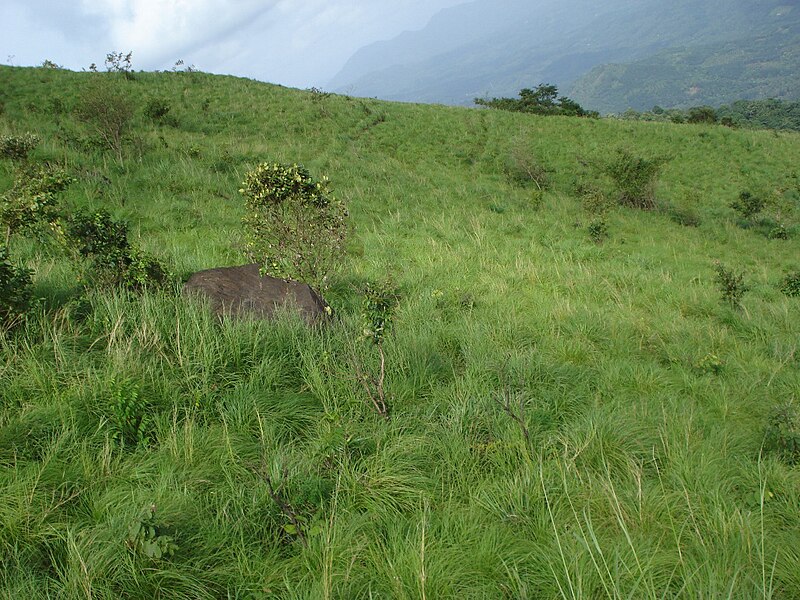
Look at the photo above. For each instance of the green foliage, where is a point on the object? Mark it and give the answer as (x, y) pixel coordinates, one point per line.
(731, 284)
(754, 114)
(157, 109)
(710, 364)
(148, 539)
(791, 284)
(129, 416)
(113, 261)
(782, 436)
(604, 344)
(525, 168)
(15, 291)
(33, 199)
(543, 100)
(597, 206)
(748, 205)
(294, 227)
(18, 147)
(763, 114)
(377, 313)
(107, 110)
(636, 178)
(118, 62)
(701, 114)
(598, 230)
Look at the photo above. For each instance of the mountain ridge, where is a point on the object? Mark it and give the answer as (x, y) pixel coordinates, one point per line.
(551, 42)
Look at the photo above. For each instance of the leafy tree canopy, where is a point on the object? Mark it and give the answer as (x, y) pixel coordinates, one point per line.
(543, 100)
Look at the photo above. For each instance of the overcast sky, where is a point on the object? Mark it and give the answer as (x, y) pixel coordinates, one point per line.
(299, 43)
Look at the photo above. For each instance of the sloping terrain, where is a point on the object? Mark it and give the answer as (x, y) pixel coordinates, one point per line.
(488, 48)
(572, 415)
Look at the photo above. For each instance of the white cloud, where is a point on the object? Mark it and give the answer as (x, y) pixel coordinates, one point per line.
(158, 30)
(294, 42)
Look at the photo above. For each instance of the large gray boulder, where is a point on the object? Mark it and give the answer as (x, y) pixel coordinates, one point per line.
(243, 292)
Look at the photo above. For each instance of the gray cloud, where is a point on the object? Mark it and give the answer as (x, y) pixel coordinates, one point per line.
(294, 42)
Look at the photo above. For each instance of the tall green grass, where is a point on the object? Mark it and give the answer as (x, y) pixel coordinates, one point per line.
(644, 398)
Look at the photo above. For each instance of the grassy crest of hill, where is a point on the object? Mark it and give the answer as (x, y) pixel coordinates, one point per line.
(573, 415)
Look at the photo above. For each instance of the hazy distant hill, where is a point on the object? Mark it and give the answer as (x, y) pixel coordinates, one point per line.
(760, 67)
(496, 47)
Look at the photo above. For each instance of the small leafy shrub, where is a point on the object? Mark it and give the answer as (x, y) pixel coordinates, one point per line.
(18, 147)
(595, 203)
(778, 232)
(710, 364)
(103, 242)
(791, 284)
(56, 106)
(294, 227)
(524, 168)
(302, 514)
(748, 205)
(636, 179)
(377, 314)
(598, 230)
(782, 436)
(156, 109)
(107, 111)
(129, 420)
(15, 291)
(146, 538)
(731, 285)
(33, 199)
(686, 216)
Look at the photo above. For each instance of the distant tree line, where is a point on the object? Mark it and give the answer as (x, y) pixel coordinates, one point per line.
(543, 100)
(757, 114)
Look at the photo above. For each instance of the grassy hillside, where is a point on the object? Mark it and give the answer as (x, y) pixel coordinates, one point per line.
(569, 419)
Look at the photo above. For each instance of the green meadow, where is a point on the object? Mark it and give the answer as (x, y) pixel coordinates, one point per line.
(569, 417)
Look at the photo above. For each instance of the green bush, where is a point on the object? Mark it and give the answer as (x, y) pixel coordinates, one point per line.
(748, 205)
(107, 110)
(111, 259)
(731, 285)
(33, 199)
(782, 436)
(636, 178)
(525, 168)
(18, 147)
(156, 109)
(294, 227)
(791, 284)
(702, 114)
(15, 291)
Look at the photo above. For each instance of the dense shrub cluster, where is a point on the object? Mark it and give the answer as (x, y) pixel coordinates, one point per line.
(17, 147)
(33, 198)
(112, 260)
(15, 291)
(295, 228)
(748, 205)
(636, 178)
